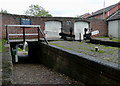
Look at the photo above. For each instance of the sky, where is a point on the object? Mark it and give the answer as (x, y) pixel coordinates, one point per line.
(57, 8)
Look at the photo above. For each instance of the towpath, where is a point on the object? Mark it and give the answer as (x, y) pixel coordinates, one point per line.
(30, 72)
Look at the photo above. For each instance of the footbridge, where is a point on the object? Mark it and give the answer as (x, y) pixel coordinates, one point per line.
(14, 43)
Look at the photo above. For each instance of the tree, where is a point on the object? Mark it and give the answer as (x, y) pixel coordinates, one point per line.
(36, 10)
(3, 11)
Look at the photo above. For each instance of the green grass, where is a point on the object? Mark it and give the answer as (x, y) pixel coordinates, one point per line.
(60, 46)
(113, 39)
(19, 49)
(2, 42)
(85, 48)
(110, 53)
(26, 49)
(88, 47)
(101, 51)
(116, 39)
(53, 43)
(102, 37)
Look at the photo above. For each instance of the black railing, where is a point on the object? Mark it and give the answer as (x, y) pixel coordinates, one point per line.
(25, 26)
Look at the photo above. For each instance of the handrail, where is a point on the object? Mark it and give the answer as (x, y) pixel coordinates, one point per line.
(25, 26)
(43, 36)
(20, 34)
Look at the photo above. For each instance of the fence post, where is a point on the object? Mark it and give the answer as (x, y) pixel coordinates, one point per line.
(23, 34)
(38, 34)
(7, 34)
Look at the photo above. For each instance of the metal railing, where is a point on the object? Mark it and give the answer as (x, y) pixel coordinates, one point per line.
(25, 26)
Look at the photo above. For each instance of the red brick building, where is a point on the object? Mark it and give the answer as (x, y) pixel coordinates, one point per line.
(66, 23)
(84, 15)
(105, 12)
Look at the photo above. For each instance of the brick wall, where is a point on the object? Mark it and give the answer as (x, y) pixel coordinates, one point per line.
(113, 10)
(101, 25)
(15, 20)
(0, 26)
(80, 67)
(110, 12)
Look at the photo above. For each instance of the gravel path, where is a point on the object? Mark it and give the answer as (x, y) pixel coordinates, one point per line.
(105, 52)
(35, 73)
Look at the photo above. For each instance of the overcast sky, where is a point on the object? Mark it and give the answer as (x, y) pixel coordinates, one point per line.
(61, 8)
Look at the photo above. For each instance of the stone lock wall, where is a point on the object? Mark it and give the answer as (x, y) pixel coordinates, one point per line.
(66, 22)
(0, 26)
(84, 68)
(7, 66)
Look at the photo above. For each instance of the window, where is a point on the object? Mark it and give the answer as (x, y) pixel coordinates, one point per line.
(68, 22)
(101, 16)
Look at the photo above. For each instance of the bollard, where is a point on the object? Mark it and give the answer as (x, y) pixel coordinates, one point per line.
(96, 49)
(14, 53)
(80, 37)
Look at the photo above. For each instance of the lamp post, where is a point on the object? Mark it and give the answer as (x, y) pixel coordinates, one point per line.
(104, 9)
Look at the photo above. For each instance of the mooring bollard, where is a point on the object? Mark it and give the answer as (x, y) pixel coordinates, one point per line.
(80, 37)
(14, 53)
(96, 49)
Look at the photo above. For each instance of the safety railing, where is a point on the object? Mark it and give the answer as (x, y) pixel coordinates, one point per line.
(24, 34)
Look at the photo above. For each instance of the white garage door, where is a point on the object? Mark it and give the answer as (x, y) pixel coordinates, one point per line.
(52, 29)
(113, 28)
(79, 29)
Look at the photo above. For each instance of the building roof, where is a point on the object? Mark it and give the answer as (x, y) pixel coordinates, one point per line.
(82, 16)
(114, 16)
(106, 9)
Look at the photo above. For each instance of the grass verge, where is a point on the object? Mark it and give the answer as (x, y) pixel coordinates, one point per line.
(2, 42)
(113, 39)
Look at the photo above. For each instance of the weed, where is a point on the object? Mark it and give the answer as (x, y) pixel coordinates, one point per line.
(102, 37)
(101, 51)
(2, 42)
(92, 46)
(53, 44)
(19, 49)
(116, 39)
(26, 49)
(113, 39)
(92, 50)
(111, 47)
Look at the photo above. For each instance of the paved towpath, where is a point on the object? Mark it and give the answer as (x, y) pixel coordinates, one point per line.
(107, 53)
(34, 73)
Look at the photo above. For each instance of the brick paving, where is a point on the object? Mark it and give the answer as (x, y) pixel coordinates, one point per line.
(107, 53)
